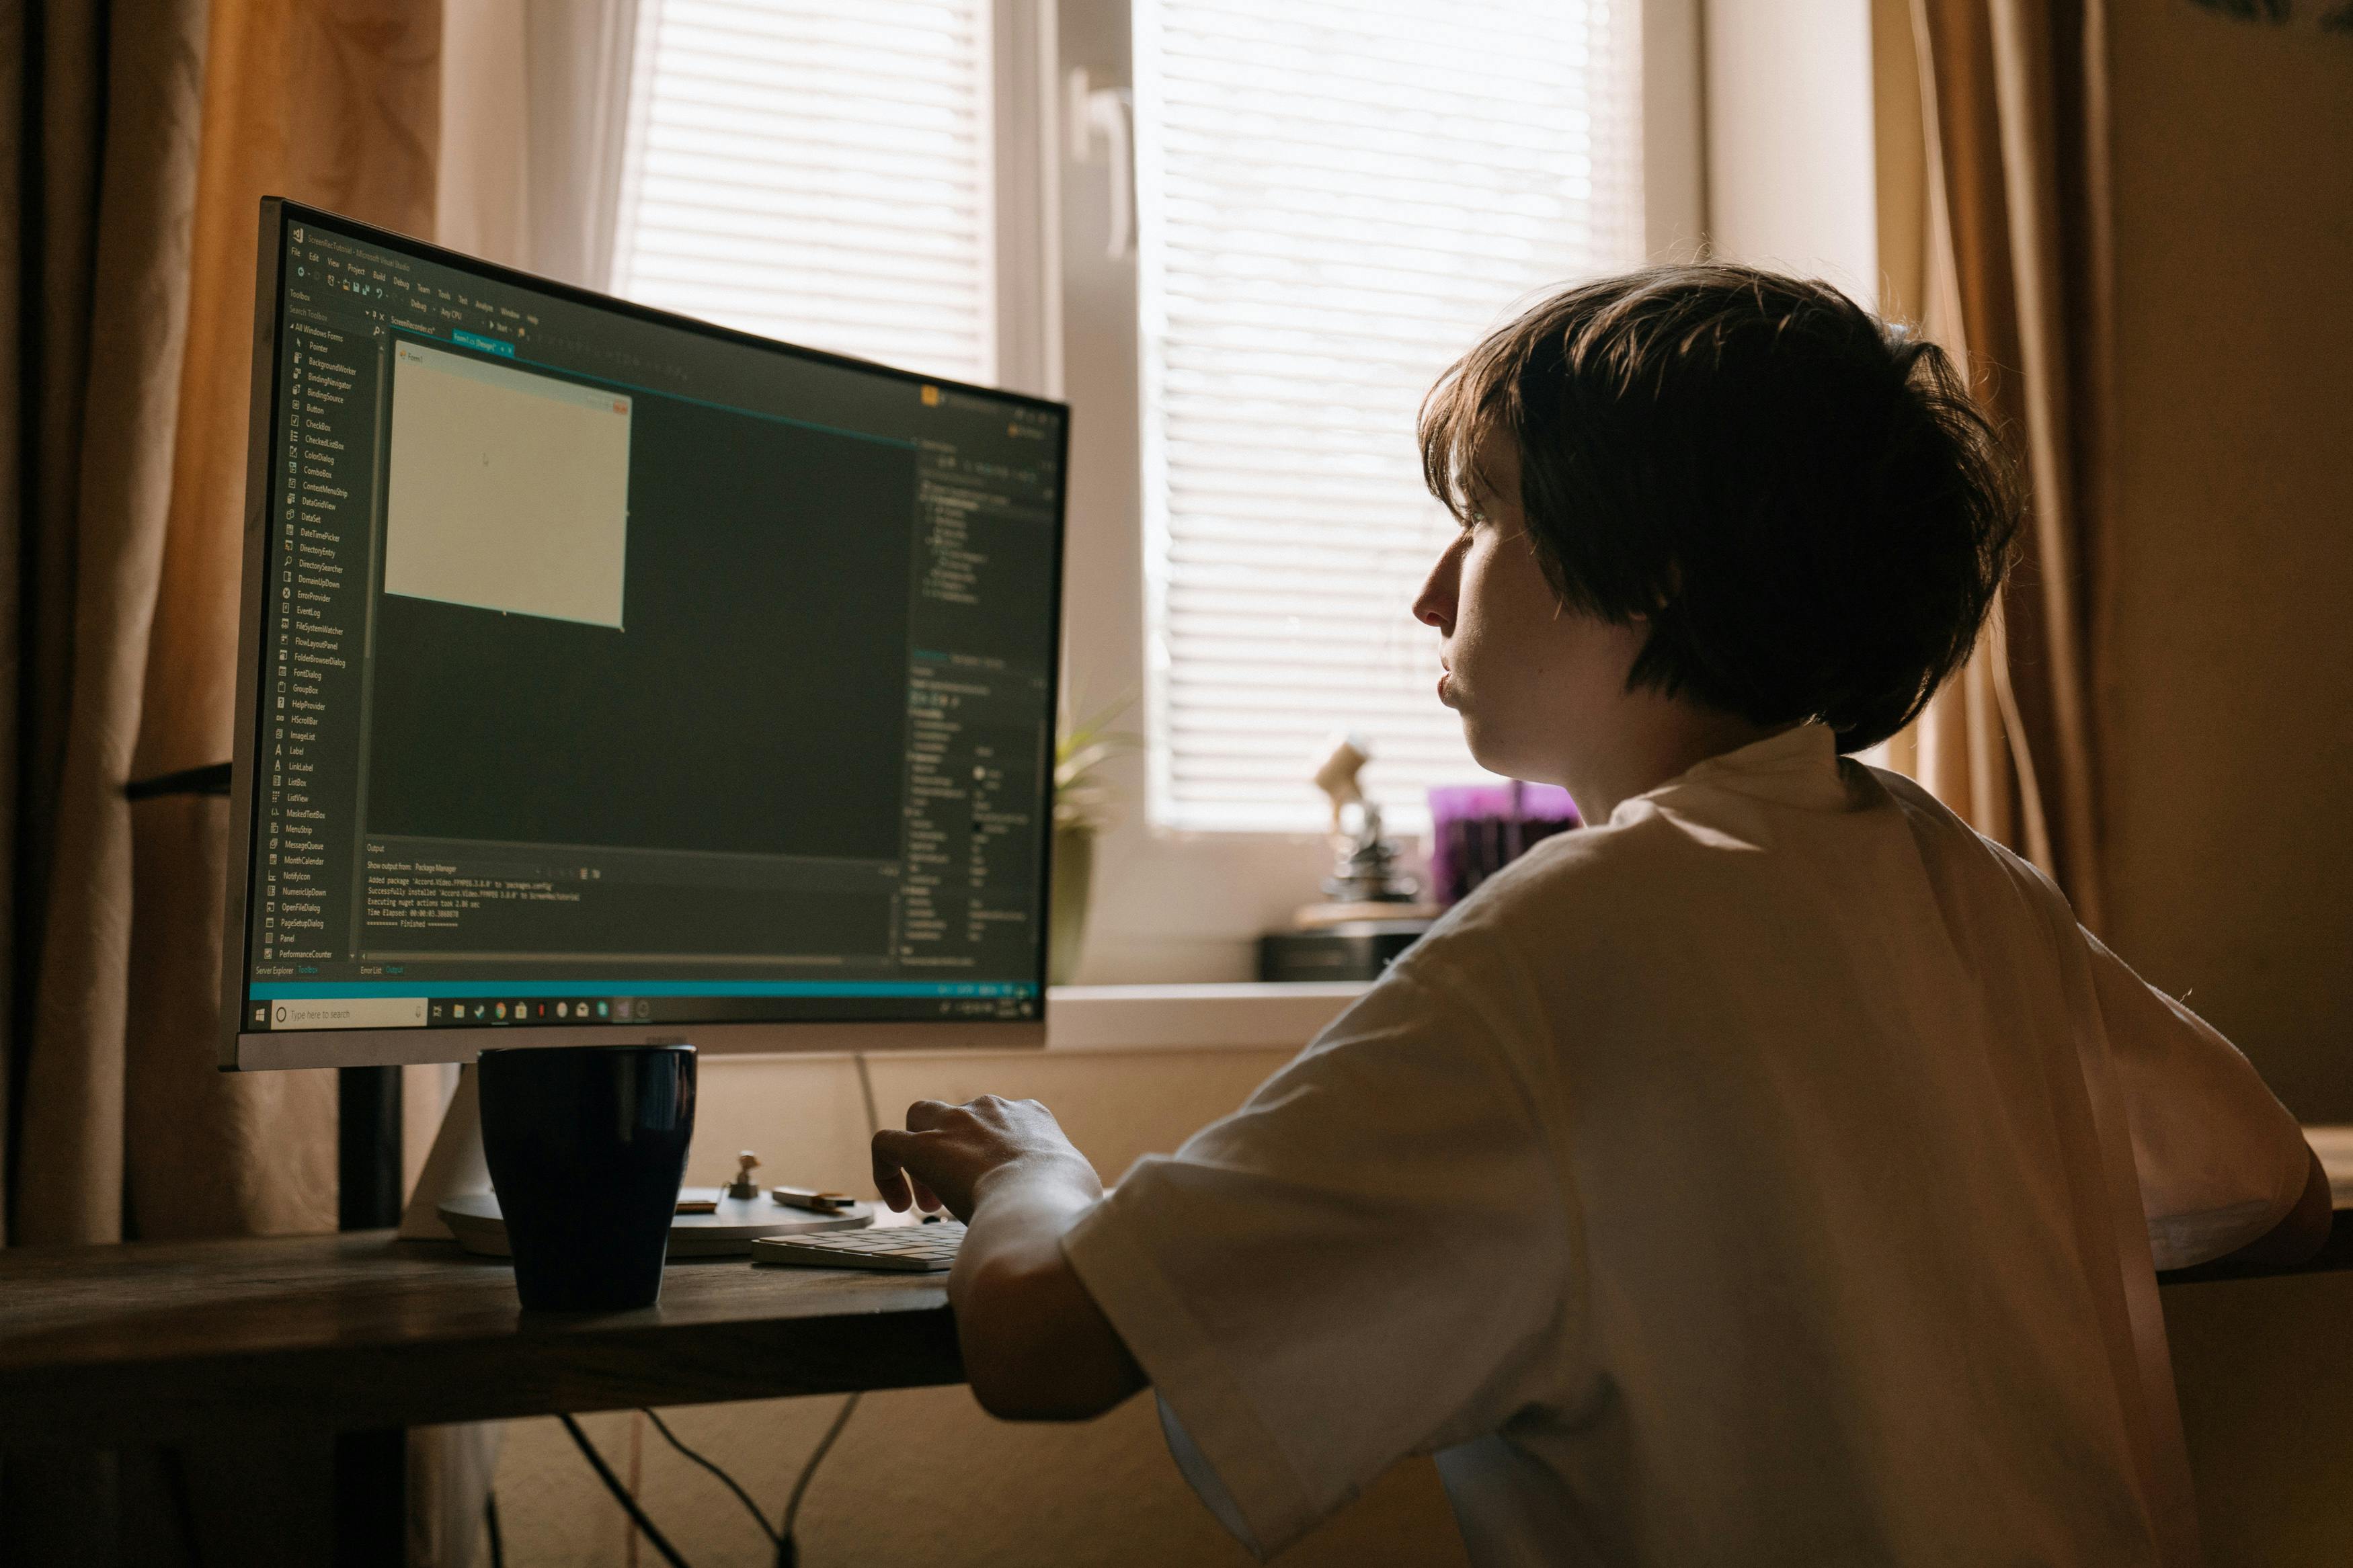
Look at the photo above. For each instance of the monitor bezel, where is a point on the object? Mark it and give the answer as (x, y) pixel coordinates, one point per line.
(245, 1050)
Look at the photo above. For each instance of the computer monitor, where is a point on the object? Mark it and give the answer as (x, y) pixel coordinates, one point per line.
(608, 676)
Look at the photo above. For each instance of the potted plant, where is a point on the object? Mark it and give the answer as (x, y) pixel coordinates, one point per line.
(1084, 802)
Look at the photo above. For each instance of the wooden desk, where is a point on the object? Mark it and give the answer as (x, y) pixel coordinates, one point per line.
(353, 1337)
(161, 1342)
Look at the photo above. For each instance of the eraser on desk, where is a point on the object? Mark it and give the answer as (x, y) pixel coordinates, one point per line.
(817, 1202)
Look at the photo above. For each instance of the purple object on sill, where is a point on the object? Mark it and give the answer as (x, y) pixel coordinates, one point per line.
(1477, 829)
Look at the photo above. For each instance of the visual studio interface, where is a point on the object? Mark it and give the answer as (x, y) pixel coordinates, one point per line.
(624, 669)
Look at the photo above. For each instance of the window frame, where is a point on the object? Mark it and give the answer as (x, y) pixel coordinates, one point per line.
(1172, 905)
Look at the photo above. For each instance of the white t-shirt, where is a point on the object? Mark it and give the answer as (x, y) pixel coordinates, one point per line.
(1723, 1184)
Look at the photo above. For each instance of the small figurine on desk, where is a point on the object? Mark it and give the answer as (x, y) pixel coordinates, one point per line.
(1372, 910)
(743, 1186)
(1365, 883)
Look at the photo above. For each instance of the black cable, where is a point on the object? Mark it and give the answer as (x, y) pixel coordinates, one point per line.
(621, 1495)
(213, 778)
(787, 1551)
(491, 1523)
(726, 1479)
(787, 1548)
(176, 1474)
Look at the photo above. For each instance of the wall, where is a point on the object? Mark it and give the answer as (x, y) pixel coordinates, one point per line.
(1790, 153)
(2262, 1368)
(2225, 662)
(921, 1479)
(2226, 650)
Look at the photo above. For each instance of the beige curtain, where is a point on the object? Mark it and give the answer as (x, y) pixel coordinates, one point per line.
(102, 238)
(123, 1122)
(2004, 186)
(133, 250)
(333, 103)
(100, 174)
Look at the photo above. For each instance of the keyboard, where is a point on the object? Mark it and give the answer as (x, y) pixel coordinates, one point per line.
(902, 1249)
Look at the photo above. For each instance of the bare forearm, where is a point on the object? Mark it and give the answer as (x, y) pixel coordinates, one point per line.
(1035, 1346)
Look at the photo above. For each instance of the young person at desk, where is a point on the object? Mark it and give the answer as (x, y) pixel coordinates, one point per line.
(1771, 1173)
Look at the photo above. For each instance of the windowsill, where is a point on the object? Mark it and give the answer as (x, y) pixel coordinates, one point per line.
(1237, 1016)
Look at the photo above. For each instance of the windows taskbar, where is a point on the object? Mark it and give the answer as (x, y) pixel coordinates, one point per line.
(394, 1004)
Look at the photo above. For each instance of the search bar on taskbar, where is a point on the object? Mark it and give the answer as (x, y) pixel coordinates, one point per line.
(349, 1013)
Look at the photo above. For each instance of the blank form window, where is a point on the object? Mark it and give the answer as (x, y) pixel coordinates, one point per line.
(509, 490)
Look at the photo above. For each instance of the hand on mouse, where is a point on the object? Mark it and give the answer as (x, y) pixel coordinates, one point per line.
(949, 1152)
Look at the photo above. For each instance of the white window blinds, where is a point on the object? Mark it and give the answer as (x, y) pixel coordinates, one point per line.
(1336, 199)
(817, 171)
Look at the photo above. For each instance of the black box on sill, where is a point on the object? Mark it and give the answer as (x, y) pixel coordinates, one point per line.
(1353, 949)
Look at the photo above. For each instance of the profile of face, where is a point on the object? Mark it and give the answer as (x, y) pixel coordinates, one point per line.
(1536, 682)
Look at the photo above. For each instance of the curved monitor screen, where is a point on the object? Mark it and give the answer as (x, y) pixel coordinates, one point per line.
(614, 668)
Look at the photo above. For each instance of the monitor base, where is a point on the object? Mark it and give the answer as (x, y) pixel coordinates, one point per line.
(456, 1180)
(727, 1232)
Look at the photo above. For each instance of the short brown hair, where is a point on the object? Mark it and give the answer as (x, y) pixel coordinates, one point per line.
(1803, 501)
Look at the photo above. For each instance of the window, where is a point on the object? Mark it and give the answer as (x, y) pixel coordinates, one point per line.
(818, 171)
(1334, 201)
(1331, 200)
